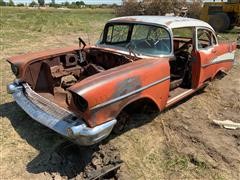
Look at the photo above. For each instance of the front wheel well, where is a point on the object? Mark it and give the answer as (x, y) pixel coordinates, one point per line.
(139, 107)
(143, 105)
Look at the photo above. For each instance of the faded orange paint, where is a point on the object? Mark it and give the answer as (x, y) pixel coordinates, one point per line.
(25, 59)
(207, 68)
(104, 87)
(109, 91)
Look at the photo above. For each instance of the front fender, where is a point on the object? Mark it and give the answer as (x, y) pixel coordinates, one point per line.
(108, 92)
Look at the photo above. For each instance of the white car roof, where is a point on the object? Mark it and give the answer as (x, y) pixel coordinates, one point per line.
(169, 21)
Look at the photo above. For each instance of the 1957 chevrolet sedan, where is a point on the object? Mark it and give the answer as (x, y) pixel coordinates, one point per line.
(79, 92)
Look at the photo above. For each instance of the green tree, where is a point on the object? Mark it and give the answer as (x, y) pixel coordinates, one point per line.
(66, 4)
(32, 4)
(20, 5)
(81, 3)
(2, 3)
(52, 3)
(77, 3)
(41, 2)
(11, 3)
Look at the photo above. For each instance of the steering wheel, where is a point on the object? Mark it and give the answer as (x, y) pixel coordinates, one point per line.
(166, 47)
(149, 42)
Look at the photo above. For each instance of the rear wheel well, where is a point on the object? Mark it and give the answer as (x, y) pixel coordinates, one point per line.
(220, 74)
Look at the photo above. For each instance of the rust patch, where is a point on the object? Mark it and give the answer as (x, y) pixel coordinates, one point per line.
(24, 60)
(111, 73)
(168, 23)
(127, 86)
(41, 55)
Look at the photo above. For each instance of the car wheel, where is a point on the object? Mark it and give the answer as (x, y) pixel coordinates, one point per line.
(220, 22)
(122, 121)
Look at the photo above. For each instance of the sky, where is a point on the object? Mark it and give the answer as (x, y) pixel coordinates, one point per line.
(86, 1)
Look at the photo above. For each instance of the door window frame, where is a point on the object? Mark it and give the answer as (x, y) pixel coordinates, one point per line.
(212, 39)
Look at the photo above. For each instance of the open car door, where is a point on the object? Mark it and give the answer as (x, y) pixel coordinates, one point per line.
(210, 57)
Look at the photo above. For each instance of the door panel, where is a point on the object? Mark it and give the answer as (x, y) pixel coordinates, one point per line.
(207, 54)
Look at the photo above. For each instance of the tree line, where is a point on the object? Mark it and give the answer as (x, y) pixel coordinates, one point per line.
(73, 5)
(34, 3)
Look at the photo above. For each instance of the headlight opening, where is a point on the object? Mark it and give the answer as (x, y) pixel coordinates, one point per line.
(15, 69)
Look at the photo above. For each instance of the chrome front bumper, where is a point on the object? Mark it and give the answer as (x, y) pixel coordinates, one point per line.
(57, 118)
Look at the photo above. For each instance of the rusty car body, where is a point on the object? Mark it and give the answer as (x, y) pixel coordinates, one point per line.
(80, 91)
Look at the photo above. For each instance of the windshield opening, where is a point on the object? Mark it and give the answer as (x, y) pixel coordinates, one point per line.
(142, 39)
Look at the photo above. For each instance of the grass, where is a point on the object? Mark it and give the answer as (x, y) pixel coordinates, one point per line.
(22, 25)
(23, 20)
(177, 162)
(21, 30)
(24, 29)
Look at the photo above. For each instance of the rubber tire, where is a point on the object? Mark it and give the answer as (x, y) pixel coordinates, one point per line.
(122, 121)
(231, 27)
(220, 22)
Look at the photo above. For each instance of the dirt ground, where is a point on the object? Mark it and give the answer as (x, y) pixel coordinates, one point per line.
(180, 143)
(184, 143)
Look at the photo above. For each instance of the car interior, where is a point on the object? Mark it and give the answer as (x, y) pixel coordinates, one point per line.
(180, 65)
